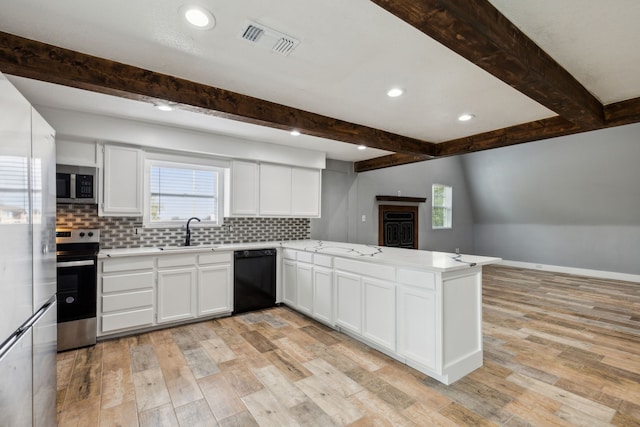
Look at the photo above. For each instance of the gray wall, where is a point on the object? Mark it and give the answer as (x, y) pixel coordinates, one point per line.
(337, 181)
(347, 197)
(572, 201)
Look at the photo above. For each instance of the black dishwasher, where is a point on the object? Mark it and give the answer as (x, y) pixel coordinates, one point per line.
(254, 280)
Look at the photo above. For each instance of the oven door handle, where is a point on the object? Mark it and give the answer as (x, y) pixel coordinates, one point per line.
(65, 264)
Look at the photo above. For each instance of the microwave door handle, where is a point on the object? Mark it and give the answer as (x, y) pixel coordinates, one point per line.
(74, 263)
(72, 185)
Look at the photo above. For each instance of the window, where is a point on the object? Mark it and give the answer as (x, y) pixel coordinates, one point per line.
(179, 191)
(441, 206)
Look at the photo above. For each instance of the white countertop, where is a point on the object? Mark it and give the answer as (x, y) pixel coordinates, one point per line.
(428, 260)
(435, 261)
(115, 253)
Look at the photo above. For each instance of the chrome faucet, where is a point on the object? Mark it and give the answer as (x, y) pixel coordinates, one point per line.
(187, 240)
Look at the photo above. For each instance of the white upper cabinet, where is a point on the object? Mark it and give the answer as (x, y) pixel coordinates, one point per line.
(244, 188)
(305, 192)
(289, 191)
(275, 189)
(123, 181)
(77, 153)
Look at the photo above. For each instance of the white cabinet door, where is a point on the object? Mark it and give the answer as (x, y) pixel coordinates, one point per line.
(214, 290)
(244, 188)
(304, 276)
(417, 324)
(349, 301)
(176, 294)
(379, 302)
(289, 282)
(77, 153)
(323, 294)
(305, 192)
(275, 190)
(123, 182)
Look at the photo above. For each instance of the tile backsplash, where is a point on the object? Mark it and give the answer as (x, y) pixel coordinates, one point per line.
(120, 232)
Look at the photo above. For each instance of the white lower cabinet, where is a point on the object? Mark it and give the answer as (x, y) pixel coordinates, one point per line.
(379, 305)
(323, 294)
(176, 294)
(349, 301)
(126, 294)
(215, 286)
(138, 292)
(308, 284)
(304, 278)
(289, 279)
(429, 320)
(418, 316)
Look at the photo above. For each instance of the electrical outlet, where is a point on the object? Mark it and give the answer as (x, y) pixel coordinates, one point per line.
(137, 230)
(457, 251)
(364, 218)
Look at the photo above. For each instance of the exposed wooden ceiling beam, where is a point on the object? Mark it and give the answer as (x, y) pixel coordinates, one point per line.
(512, 135)
(41, 61)
(387, 161)
(617, 114)
(480, 33)
(526, 132)
(622, 113)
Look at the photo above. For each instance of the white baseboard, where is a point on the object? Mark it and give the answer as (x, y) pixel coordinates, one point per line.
(571, 270)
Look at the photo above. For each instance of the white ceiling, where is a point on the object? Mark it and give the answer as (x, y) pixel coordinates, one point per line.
(350, 53)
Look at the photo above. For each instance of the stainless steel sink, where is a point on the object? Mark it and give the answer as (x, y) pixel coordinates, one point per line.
(187, 248)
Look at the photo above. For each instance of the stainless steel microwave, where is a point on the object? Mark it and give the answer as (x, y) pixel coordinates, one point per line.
(76, 184)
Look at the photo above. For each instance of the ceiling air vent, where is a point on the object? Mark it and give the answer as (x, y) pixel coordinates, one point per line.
(270, 39)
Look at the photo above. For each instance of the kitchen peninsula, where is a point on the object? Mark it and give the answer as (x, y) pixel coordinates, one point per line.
(422, 308)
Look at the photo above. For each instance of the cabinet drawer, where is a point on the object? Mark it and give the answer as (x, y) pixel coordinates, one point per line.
(176, 261)
(127, 301)
(289, 253)
(127, 264)
(305, 257)
(323, 260)
(382, 272)
(129, 319)
(420, 279)
(127, 282)
(214, 258)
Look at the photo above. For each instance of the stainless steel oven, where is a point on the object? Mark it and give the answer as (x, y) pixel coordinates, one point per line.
(77, 259)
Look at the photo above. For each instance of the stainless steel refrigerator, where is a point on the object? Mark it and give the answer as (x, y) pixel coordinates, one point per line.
(27, 264)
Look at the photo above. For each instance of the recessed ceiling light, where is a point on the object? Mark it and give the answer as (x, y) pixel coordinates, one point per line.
(466, 117)
(395, 92)
(362, 147)
(162, 106)
(198, 17)
(295, 132)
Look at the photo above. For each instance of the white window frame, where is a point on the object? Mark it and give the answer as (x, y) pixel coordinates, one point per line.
(447, 207)
(184, 163)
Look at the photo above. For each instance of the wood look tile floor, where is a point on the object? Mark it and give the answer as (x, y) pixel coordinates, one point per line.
(558, 350)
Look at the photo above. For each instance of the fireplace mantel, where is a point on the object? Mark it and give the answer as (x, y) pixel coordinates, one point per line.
(401, 199)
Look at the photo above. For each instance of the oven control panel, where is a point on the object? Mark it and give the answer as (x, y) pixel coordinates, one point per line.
(87, 235)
